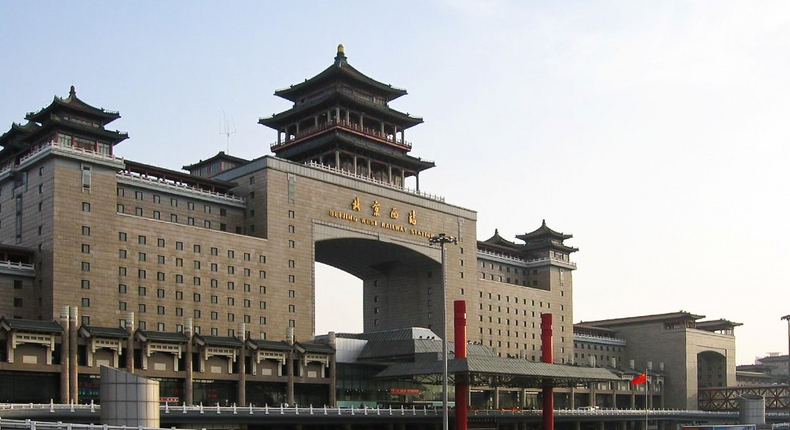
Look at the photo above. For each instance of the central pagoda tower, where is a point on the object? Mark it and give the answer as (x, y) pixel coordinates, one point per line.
(341, 119)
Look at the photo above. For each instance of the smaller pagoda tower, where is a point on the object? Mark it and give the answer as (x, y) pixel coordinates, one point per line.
(68, 122)
(341, 119)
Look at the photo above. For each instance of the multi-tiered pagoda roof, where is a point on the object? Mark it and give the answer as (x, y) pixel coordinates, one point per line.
(341, 118)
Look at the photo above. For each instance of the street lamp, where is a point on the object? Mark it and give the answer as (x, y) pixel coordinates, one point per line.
(441, 239)
(787, 318)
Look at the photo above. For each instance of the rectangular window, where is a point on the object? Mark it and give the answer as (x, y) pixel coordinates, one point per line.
(86, 249)
(85, 284)
(86, 231)
(122, 236)
(86, 207)
(157, 199)
(86, 266)
(160, 243)
(86, 178)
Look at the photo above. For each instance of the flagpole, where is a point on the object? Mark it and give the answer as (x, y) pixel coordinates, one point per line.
(646, 399)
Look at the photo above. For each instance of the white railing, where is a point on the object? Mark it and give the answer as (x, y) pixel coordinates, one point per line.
(599, 338)
(295, 411)
(72, 149)
(524, 261)
(373, 180)
(367, 131)
(16, 266)
(178, 186)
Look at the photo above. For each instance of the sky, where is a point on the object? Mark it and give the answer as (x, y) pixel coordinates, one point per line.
(655, 132)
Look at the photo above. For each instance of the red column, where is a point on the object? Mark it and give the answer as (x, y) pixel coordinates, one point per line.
(547, 357)
(461, 384)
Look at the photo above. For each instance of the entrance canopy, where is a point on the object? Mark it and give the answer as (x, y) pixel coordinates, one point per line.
(499, 372)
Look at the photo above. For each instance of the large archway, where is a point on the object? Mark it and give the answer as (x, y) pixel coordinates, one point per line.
(401, 281)
(711, 369)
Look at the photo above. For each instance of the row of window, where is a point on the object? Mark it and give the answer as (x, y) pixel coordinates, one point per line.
(139, 195)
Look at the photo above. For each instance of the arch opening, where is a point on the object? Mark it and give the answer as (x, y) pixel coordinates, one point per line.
(400, 285)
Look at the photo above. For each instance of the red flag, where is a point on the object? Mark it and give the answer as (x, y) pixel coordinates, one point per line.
(639, 379)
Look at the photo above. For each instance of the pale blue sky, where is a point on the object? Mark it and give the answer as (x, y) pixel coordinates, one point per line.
(655, 132)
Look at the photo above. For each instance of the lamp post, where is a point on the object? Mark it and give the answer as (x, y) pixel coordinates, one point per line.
(442, 239)
(787, 318)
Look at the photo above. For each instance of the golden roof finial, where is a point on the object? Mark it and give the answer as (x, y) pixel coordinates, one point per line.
(340, 49)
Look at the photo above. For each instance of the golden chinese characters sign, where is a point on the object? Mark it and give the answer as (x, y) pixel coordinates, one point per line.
(375, 212)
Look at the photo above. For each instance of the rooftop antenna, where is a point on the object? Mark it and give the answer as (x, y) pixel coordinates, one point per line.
(227, 128)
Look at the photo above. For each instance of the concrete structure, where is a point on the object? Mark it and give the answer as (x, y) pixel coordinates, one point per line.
(128, 400)
(684, 353)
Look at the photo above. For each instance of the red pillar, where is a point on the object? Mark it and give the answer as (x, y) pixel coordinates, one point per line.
(461, 384)
(547, 357)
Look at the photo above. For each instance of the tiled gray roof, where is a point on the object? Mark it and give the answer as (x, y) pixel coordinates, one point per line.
(316, 347)
(32, 326)
(218, 341)
(528, 372)
(160, 336)
(106, 332)
(280, 345)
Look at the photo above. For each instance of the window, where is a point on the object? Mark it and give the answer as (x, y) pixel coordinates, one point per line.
(191, 221)
(207, 209)
(141, 273)
(179, 246)
(191, 206)
(142, 291)
(196, 297)
(262, 304)
(86, 266)
(179, 279)
(196, 264)
(231, 301)
(214, 315)
(157, 199)
(86, 302)
(141, 308)
(174, 203)
(157, 215)
(86, 284)
(292, 308)
(141, 256)
(86, 231)
(122, 288)
(119, 208)
(160, 310)
(179, 295)
(292, 293)
(160, 243)
(214, 299)
(160, 293)
(138, 195)
(196, 249)
(119, 192)
(86, 249)
(214, 250)
(86, 207)
(121, 306)
(173, 218)
(141, 240)
(179, 262)
(231, 253)
(86, 178)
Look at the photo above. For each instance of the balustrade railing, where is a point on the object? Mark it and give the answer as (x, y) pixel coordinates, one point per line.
(347, 125)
